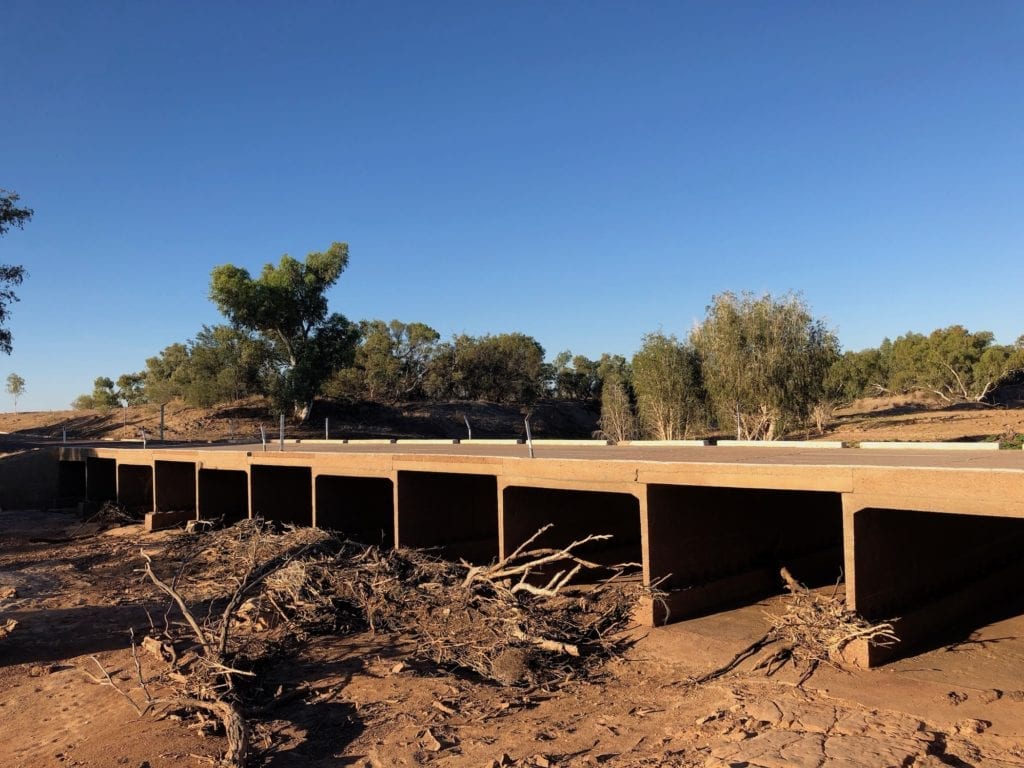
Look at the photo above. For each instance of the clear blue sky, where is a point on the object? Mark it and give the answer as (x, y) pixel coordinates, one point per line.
(582, 171)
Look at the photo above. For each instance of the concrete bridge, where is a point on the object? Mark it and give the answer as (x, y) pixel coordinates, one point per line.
(933, 537)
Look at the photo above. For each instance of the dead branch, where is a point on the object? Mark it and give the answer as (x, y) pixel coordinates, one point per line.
(814, 629)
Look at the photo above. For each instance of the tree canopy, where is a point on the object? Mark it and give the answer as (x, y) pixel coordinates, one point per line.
(11, 215)
(667, 382)
(15, 388)
(764, 361)
(287, 306)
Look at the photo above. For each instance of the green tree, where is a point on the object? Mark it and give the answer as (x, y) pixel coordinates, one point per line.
(856, 374)
(575, 377)
(669, 396)
(287, 306)
(764, 362)
(225, 364)
(15, 388)
(11, 215)
(954, 363)
(168, 375)
(393, 359)
(618, 422)
(505, 368)
(131, 388)
(103, 397)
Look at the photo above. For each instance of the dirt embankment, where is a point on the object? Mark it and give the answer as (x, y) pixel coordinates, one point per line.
(243, 420)
(917, 417)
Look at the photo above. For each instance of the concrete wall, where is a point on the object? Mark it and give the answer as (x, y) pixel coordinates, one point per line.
(574, 515)
(135, 486)
(361, 508)
(719, 547)
(223, 493)
(284, 494)
(29, 480)
(456, 512)
(175, 486)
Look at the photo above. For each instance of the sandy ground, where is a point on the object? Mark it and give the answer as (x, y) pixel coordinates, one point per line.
(359, 700)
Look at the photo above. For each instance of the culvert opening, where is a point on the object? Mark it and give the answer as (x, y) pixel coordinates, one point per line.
(574, 515)
(223, 493)
(71, 487)
(175, 486)
(135, 487)
(718, 548)
(100, 479)
(942, 575)
(360, 508)
(457, 513)
(284, 494)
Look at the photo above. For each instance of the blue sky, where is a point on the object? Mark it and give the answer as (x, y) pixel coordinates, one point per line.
(584, 172)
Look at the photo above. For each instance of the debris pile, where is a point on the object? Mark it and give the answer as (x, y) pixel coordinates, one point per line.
(243, 596)
(813, 629)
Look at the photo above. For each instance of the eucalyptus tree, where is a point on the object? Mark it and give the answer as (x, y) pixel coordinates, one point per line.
(667, 382)
(287, 306)
(618, 422)
(11, 215)
(764, 361)
(15, 388)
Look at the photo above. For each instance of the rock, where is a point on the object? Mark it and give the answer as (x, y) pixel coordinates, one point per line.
(971, 726)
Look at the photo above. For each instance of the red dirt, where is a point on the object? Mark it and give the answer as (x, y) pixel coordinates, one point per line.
(358, 700)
